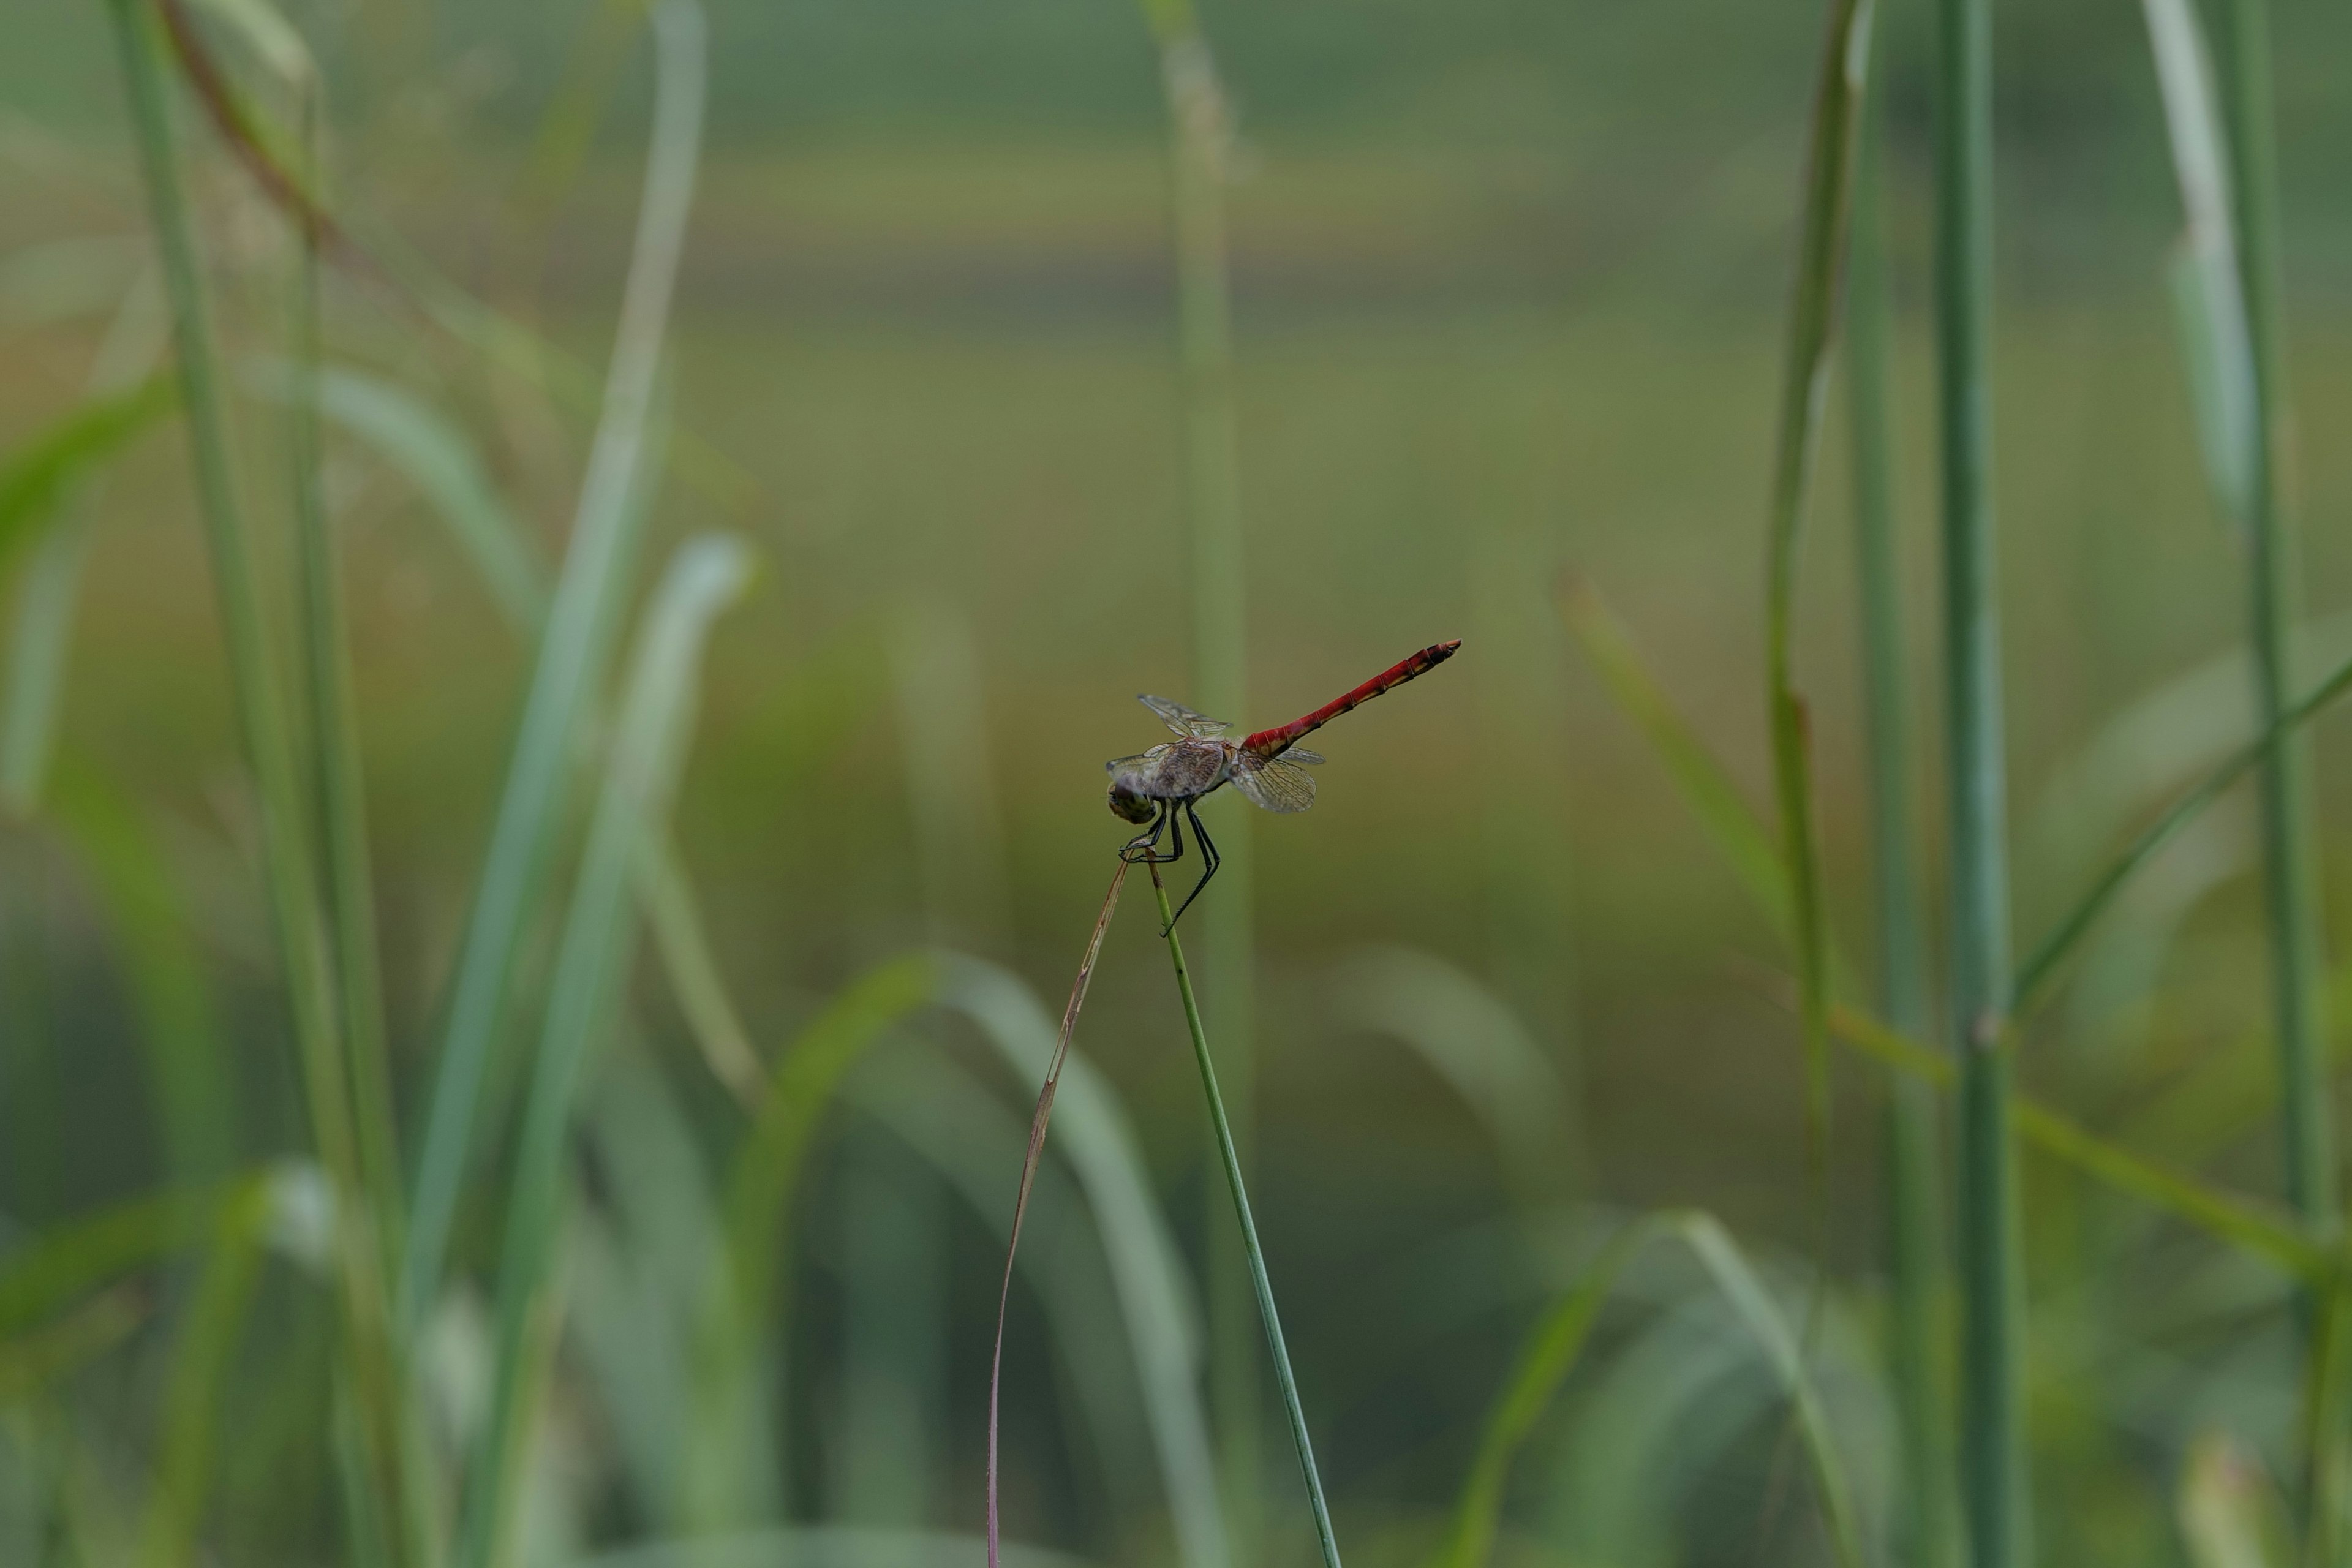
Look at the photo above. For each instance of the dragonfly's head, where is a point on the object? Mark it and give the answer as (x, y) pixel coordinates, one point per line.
(1129, 803)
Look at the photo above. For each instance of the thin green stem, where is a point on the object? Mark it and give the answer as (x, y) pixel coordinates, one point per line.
(1263, 1287)
(2290, 849)
(261, 721)
(1200, 134)
(341, 804)
(1915, 1208)
(1992, 1435)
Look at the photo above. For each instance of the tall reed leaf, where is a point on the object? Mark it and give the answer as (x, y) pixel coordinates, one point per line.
(1200, 150)
(288, 863)
(42, 472)
(592, 965)
(572, 655)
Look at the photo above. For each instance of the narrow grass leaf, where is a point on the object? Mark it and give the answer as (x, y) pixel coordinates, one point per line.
(1470, 1039)
(1724, 1260)
(821, 1546)
(1551, 1352)
(41, 1276)
(2041, 965)
(1037, 1123)
(1146, 1269)
(647, 753)
(201, 1359)
(1805, 369)
(38, 476)
(2239, 1222)
(572, 655)
(434, 456)
(2208, 287)
(1737, 832)
(43, 1357)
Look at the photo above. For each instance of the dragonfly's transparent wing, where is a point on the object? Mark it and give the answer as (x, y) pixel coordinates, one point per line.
(1275, 783)
(1136, 770)
(1183, 720)
(1301, 755)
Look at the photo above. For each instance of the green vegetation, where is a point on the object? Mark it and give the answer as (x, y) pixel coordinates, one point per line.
(568, 575)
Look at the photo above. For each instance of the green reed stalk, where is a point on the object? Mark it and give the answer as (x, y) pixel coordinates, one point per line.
(332, 711)
(2289, 836)
(1256, 1254)
(261, 721)
(1992, 1437)
(1915, 1209)
(1199, 133)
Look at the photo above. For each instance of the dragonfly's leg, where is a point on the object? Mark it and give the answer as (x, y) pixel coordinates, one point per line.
(1208, 853)
(1145, 845)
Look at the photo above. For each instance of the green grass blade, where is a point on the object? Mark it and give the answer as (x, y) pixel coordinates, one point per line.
(43, 1275)
(329, 708)
(1739, 833)
(1145, 1266)
(1472, 1040)
(1284, 1377)
(572, 655)
(649, 748)
(2042, 965)
(40, 630)
(1812, 316)
(436, 457)
(200, 1367)
(1722, 1257)
(822, 1546)
(2234, 1220)
(40, 475)
(32, 1362)
(1551, 1352)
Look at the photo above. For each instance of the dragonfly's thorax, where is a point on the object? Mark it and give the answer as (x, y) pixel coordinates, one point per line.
(1181, 770)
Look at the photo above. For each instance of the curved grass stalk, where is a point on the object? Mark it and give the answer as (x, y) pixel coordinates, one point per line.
(648, 749)
(1145, 1268)
(1556, 1342)
(1284, 1377)
(1038, 1121)
(573, 654)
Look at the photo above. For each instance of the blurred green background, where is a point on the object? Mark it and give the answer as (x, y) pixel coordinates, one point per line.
(1508, 287)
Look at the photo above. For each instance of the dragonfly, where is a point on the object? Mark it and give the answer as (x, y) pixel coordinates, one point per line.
(1153, 788)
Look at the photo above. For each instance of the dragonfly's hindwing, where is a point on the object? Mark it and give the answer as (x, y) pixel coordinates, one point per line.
(1277, 783)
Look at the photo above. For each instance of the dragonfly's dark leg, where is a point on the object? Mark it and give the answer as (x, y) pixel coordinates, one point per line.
(1146, 847)
(1208, 853)
(1140, 847)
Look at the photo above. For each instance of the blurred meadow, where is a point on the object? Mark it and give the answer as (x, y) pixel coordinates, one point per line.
(551, 798)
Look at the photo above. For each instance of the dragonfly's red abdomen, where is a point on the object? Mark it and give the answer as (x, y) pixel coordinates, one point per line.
(1271, 742)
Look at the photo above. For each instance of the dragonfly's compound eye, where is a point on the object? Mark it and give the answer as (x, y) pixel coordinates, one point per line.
(1135, 809)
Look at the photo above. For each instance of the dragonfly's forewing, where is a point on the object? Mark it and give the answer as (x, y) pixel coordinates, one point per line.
(1183, 720)
(1277, 783)
(1301, 755)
